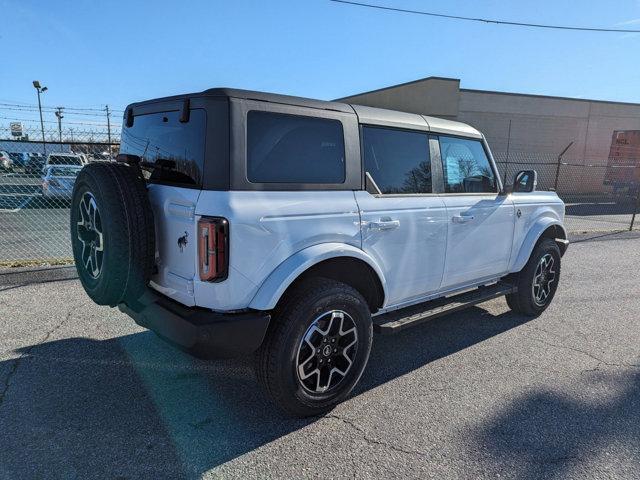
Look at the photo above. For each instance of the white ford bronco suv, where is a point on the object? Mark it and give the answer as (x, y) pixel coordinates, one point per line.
(237, 222)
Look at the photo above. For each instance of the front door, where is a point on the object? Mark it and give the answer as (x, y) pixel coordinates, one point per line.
(403, 224)
(480, 220)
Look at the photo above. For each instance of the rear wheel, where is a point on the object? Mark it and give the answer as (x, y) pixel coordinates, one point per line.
(316, 348)
(112, 232)
(538, 281)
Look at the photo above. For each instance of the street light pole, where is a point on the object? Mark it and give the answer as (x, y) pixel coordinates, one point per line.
(40, 89)
(60, 117)
(106, 109)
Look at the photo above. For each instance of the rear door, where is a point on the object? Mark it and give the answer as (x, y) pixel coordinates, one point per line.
(172, 157)
(403, 222)
(480, 220)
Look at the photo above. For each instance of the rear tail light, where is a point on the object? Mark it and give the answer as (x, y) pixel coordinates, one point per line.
(213, 248)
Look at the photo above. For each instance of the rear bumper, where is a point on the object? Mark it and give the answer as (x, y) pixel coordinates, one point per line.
(199, 331)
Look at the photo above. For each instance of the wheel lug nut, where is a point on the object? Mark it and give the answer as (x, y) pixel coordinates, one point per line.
(318, 351)
(335, 350)
(333, 340)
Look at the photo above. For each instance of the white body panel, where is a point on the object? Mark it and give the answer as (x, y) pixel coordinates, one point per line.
(407, 237)
(174, 214)
(479, 237)
(275, 236)
(265, 229)
(538, 211)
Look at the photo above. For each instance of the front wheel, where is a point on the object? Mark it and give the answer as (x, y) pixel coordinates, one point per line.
(538, 281)
(317, 347)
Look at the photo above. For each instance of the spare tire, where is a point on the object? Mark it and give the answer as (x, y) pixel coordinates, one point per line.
(112, 232)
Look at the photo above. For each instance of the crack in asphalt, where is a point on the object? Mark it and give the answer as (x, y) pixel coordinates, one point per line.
(22, 285)
(17, 361)
(600, 361)
(373, 441)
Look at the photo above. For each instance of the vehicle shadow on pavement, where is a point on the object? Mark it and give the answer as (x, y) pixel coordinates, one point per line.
(546, 434)
(134, 407)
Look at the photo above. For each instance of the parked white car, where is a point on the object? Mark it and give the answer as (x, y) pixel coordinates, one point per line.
(241, 221)
(58, 181)
(6, 163)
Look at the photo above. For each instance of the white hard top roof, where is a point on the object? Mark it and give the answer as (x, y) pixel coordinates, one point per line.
(393, 118)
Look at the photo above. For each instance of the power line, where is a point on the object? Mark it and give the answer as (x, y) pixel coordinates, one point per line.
(27, 120)
(487, 20)
(25, 106)
(53, 110)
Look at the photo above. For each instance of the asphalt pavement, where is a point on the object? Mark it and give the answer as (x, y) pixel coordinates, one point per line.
(85, 393)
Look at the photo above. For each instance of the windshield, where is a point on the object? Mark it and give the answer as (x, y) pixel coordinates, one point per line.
(64, 160)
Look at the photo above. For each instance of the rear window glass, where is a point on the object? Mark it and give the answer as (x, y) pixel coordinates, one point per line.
(285, 148)
(171, 152)
(64, 160)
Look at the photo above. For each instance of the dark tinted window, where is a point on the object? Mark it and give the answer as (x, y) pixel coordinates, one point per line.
(171, 152)
(466, 166)
(294, 149)
(397, 160)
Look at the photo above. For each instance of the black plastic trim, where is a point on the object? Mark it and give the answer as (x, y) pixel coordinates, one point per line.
(199, 331)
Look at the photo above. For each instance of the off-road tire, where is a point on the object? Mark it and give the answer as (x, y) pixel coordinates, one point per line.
(523, 300)
(128, 231)
(276, 360)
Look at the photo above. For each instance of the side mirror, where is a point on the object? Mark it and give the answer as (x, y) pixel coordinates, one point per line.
(525, 181)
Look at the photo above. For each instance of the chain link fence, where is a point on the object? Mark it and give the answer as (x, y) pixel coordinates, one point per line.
(600, 194)
(36, 180)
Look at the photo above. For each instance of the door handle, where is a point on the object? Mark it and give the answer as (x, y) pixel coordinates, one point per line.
(462, 218)
(384, 224)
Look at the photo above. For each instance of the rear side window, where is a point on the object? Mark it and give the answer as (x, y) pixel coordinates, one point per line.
(172, 152)
(284, 148)
(466, 166)
(397, 160)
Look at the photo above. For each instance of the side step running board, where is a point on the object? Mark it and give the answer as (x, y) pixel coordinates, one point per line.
(398, 320)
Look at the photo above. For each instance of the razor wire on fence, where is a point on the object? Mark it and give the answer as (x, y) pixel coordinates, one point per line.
(36, 181)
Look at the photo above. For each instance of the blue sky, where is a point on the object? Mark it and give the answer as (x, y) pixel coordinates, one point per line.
(90, 53)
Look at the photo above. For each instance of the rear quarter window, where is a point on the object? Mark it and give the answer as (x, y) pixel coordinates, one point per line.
(283, 148)
(171, 152)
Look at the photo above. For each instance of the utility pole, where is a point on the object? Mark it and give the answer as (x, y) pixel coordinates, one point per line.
(60, 117)
(106, 109)
(40, 89)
